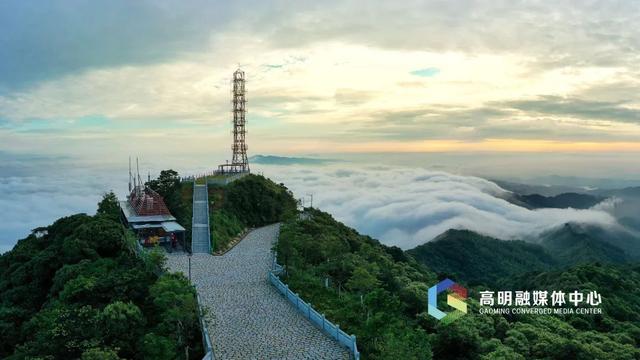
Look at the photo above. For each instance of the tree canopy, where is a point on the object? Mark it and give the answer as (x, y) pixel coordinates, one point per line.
(379, 293)
(76, 290)
(251, 201)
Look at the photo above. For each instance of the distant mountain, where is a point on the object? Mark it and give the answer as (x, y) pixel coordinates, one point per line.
(633, 223)
(561, 201)
(479, 259)
(586, 183)
(629, 192)
(545, 190)
(573, 244)
(599, 188)
(476, 258)
(284, 160)
(581, 243)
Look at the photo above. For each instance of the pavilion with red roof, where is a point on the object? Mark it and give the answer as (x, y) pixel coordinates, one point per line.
(146, 213)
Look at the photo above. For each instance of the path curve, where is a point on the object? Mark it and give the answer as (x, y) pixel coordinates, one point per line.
(248, 318)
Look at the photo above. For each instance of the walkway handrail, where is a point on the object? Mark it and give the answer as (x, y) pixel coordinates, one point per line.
(206, 198)
(193, 213)
(206, 340)
(349, 341)
(230, 178)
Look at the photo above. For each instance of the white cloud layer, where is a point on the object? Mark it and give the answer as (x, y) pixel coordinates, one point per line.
(35, 191)
(408, 207)
(400, 206)
(33, 201)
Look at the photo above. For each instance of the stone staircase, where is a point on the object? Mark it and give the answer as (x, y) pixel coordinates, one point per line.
(200, 235)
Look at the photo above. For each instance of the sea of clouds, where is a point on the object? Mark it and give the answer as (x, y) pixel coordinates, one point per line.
(407, 207)
(36, 190)
(398, 205)
(28, 202)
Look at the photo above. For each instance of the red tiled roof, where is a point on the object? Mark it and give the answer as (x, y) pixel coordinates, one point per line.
(147, 203)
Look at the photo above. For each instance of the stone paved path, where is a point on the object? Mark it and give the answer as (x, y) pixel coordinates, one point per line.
(200, 242)
(248, 318)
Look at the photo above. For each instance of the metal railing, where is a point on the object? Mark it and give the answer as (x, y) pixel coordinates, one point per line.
(206, 197)
(211, 177)
(319, 320)
(193, 214)
(227, 179)
(206, 340)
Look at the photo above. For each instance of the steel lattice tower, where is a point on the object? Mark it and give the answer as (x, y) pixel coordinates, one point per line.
(239, 162)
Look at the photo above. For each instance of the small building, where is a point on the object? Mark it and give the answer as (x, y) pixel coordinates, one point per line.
(146, 213)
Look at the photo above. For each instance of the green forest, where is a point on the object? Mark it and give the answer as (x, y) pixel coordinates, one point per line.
(379, 293)
(249, 202)
(77, 290)
(178, 196)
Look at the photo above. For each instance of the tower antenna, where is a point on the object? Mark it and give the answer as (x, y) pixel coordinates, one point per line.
(239, 101)
(138, 176)
(129, 174)
(135, 184)
(239, 161)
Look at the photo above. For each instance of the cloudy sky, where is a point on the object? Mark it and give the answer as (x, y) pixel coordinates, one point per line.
(113, 77)
(491, 88)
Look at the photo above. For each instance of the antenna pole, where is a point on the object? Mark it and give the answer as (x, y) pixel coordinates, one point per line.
(129, 174)
(138, 175)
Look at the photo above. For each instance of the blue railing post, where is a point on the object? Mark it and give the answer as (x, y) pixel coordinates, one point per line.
(356, 354)
(348, 341)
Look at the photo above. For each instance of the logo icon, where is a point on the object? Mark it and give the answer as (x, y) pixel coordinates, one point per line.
(455, 299)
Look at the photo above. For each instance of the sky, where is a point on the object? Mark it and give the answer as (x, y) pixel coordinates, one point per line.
(89, 78)
(538, 91)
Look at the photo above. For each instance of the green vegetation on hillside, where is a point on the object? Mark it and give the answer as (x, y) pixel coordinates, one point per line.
(561, 201)
(375, 291)
(570, 245)
(617, 244)
(248, 202)
(76, 289)
(379, 293)
(471, 257)
(619, 286)
(479, 259)
(178, 196)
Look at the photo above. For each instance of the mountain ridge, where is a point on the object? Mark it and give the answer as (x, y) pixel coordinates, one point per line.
(478, 258)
